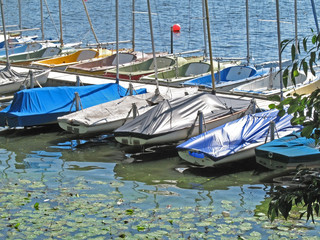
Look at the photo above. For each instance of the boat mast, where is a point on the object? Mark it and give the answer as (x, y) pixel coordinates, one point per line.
(315, 15)
(5, 36)
(60, 18)
(296, 25)
(279, 48)
(248, 39)
(20, 15)
(153, 48)
(89, 20)
(204, 28)
(210, 48)
(133, 25)
(41, 13)
(117, 39)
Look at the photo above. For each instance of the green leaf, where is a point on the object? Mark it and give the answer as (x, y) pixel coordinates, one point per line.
(36, 206)
(16, 226)
(293, 52)
(274, 98)
(140, 228)
(293, 108)
(314, 39)
(285, 77)
(272, 106)
(281, 113)
(305, 67)
(305, 44)
(311, 67)
(313, 57)
(307, 131)
(129, 211)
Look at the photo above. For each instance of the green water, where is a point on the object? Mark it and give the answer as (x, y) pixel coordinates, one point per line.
(57, 186)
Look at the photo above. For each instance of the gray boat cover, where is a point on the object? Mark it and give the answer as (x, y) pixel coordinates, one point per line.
(108, 112)
(173, 115)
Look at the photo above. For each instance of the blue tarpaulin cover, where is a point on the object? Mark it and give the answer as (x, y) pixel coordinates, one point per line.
(39, 106)
(290, 149)
(236, 135)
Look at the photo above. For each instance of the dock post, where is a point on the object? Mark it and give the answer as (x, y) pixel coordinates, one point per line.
(130, 89)
(77, 98)
(200, 115)
(31, 79)
(272, 130)
(134, 110)
(78, 81)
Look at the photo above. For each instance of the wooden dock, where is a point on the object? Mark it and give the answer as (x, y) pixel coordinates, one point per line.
(60, 78)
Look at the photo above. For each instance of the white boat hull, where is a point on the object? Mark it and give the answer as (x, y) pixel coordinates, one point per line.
(208, 162)
(12, 86)
(179, 135)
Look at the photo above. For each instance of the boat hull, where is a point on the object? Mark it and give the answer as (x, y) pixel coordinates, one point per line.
(206, 161)
(176, 136)
(12, 86)
(288, 153)
(81, 129)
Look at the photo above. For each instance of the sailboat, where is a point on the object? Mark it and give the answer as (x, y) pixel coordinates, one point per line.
(228, 78)
(176, 120)
(40, 106)
(98, 66)
(289, 152)
(235, 140)
(109, 116)
(270, 85)
(12, 81)
(62, 62)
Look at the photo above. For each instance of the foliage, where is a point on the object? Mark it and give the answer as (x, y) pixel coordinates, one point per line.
(304, 59)
(304, 193)
(305, 111)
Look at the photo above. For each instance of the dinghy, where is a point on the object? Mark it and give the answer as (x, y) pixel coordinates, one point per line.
(137, 70)
(27, 47)
(12, 81)
(175, 120)
(25, 58)
(105, 117)
(236, 140)
(41, 106)
(183, 73)
(228, 78)
(62, 62)
(270, 85)
(98, 66)
(289, 152)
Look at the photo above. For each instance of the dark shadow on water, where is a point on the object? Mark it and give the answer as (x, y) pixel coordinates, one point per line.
(30, 131)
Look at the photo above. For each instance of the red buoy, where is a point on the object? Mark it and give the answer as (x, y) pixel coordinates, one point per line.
(176, 28)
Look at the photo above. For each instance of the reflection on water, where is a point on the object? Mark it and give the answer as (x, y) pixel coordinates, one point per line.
(56, 162)
(50, 150)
